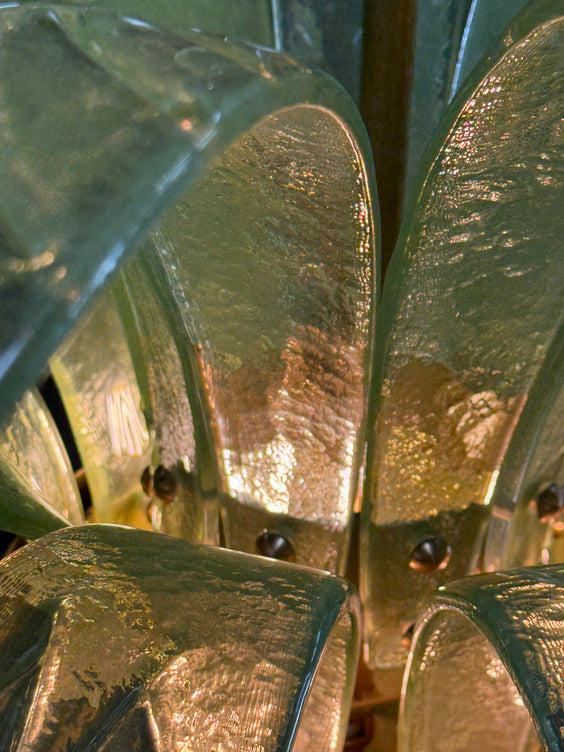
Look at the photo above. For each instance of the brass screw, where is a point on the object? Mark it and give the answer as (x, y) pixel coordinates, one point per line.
(550, 501)
(275, 546)
(164, 484)
(430, 555)
(407, 636)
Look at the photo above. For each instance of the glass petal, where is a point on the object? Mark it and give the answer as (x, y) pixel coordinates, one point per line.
(471, 307)
(484, 671)
(223, 650)
(32, 447)
(130, 116)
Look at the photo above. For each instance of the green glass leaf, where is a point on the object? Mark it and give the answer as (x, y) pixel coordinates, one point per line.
(22, 511)
(96, 378)
(522, 529)
(484, 669)
(471, 308)
(160, 109)
(326, 35)
(149, 113)
(38, 492)
(125, 128)
(277, 310)
(120, 639)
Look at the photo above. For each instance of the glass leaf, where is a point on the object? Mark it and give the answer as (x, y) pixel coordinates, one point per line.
(129, 118)
(439, 31)
(223, 650)
(267, 266)
(95, 376)
(484, 669)
(38, 490)
(250, 20)
(471, 308)
(31, 445)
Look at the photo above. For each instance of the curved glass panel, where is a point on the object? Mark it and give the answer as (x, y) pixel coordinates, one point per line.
(95, 376)
(526, 527)
(173, 105)
(223, 651)
(250, 20)
(471, 306)
(38, 492)
(129, 118)
(269, 263)
(325, 35)
(256, 310)
(31, 445)
(484, 669)
(485, 26)
(439, 31)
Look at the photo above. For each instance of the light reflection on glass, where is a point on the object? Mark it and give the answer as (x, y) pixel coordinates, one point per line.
(31, 445)
(150, 638)
(473, 304)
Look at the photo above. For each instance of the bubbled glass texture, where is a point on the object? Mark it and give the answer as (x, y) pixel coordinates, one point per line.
(485, 670)
(119, 639)
(471, 306)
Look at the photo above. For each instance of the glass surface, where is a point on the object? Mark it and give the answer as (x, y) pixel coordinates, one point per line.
(223, 651)
(485, 25)
(38, 492)
(249, 20)
(129, 117)
(439, 31)
(471, 306)
(162, 358)
(94, 373)
(518, 533)
(31, 446)
(484, 670)
(277, 305)
(326, 35)
(247, 313)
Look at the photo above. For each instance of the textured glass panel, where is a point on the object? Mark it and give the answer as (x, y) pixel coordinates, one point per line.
(522, 530)
(440, 26)
(472, 304)
(105, 122)
(188, 505)
(250, 20)
(324, 34)
(485, 25)
(485, 669)
(270, 265)
(95, 376)
(223, 651)
(31, 446)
